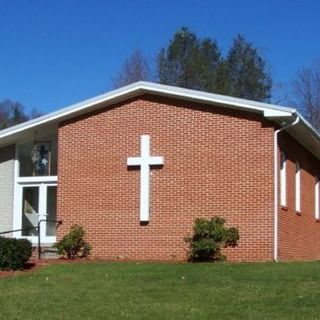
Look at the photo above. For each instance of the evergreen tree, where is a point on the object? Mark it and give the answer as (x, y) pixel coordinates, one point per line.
(246, 72)
(189, 62)
(194, 63)
(17, 114)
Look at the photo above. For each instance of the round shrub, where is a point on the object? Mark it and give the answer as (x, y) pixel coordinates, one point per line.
(14, 253)
(73, 244)
(209, 237)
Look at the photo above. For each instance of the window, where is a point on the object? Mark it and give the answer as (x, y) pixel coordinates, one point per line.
(283, 180)
(38, 158)
(298, 187)
(316, 198)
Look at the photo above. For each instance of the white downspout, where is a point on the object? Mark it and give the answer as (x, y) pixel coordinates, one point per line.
(276, 207)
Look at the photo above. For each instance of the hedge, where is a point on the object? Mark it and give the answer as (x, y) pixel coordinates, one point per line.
(14, 253)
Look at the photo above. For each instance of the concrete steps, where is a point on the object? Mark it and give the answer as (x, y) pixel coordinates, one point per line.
(46, 253)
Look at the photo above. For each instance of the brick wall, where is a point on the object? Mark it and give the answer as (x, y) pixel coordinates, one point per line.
(217, 162)
(299, 234)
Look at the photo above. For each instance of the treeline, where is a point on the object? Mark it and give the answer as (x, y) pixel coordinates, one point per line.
(13, 112)
(198, 63)
(192, 62)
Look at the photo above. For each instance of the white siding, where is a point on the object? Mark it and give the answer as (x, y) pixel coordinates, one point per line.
(7, 155)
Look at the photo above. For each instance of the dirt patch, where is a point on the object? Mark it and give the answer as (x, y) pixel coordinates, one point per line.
(34, 265)
(30, 266)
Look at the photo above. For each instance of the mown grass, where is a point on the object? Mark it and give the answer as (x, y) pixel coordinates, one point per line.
(164, 291)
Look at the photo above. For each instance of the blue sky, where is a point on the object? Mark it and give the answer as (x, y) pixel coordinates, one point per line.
(54, 53)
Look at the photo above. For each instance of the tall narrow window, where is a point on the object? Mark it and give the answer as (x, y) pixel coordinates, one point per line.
(298, 187)
(283, 180)
(316, 198)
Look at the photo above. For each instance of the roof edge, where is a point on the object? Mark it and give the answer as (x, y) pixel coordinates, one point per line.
(143, 87)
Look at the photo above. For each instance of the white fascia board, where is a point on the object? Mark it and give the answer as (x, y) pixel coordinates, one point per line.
(138, 88)
(63, 114)
(226, 101)
(271, 113)
(308, 125)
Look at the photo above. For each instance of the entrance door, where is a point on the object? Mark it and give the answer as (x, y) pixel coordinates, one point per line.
(38, 203)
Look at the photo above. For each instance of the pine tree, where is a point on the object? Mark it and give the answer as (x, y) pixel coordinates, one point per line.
(246, 72)
(195, 63)
(189, 62)
(17, 114)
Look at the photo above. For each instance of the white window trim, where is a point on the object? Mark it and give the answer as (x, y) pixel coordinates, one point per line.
(298, 187)
(316, 199)
(19, 182)
(283, 180)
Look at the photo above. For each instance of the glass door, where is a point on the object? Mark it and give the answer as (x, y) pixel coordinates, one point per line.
(49, 227)
(38, 203)
(30, 211)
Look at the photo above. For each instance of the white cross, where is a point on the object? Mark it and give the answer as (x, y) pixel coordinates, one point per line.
(145, 161)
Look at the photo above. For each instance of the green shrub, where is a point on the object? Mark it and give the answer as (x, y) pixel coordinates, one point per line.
(73, 244)
(14, 253)
(209, 237)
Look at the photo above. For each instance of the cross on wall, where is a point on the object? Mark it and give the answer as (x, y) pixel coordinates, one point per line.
(145, 161)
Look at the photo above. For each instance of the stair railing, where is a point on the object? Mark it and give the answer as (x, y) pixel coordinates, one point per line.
(38, 228)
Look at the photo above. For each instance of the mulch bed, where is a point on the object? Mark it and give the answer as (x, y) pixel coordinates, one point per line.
(34, 265)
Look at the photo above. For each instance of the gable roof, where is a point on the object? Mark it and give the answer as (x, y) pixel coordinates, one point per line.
(303, 131)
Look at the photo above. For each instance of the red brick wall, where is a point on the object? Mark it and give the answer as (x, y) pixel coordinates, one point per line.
(299, 234)
(217, 162)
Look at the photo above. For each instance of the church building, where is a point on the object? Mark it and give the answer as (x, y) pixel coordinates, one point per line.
(136, 166)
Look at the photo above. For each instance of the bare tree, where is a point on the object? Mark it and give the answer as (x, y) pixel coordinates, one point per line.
(135, 68)
(35, 113)
(12, 113)
(306, 89)
(282, 94)
(4, 114)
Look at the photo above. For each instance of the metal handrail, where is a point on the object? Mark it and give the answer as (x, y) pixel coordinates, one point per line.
(59, 222)
(38, 227)
(16, 230)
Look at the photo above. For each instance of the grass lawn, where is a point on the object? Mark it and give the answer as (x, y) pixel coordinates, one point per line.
(163, 291)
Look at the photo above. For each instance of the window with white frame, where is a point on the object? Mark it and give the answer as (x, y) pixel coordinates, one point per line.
(316, 198)
(283, 180)
(298, 187)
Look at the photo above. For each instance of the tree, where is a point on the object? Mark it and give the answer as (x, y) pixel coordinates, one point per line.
(35, 113)
(195, 63)
(17, 114)
(12, 113)
(189, 62)
(135, 68)
(306, 92)
(4, 114)
(246, 72)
